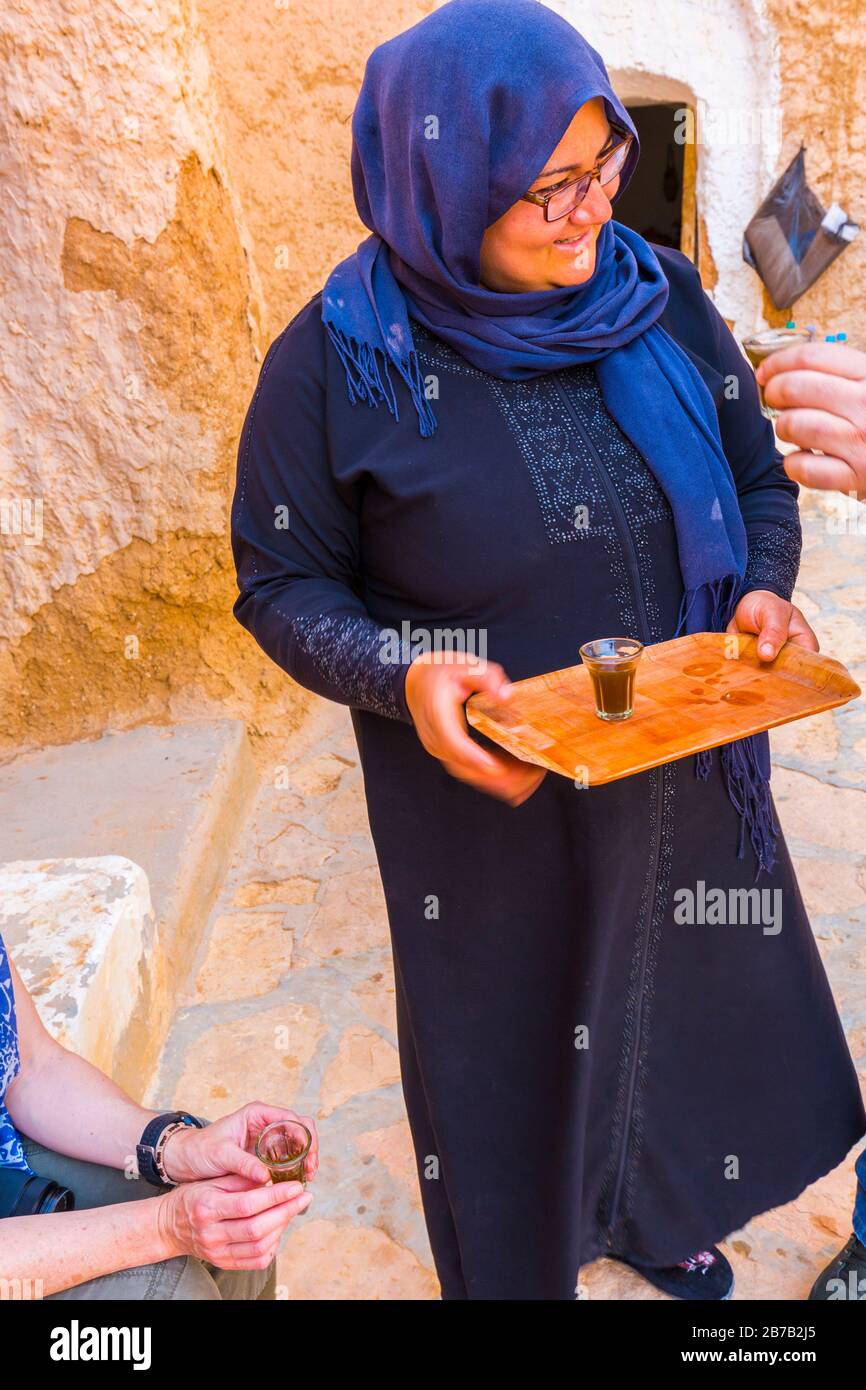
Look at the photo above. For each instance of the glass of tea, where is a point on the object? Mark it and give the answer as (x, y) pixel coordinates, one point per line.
(760, 345)
(612, 664)
(283, 1148)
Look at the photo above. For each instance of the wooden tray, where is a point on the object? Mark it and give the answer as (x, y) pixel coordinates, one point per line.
(691, 693)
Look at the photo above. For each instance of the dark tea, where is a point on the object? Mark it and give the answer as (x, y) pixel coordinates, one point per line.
(612, 665)
(614, 692)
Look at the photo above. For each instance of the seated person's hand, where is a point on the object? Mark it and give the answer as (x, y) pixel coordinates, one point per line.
(774, 620)
(820, 390)
(231, 1222)
(228, 1146)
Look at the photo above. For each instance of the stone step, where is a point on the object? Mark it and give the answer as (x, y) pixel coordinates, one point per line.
(80, 932)
(163, 802)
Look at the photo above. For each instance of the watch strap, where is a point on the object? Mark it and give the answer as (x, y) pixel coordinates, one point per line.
(155, 1136)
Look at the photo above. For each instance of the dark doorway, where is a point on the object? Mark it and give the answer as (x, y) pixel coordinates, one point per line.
(653, 202)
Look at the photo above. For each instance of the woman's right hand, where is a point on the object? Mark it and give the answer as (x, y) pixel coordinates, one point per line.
(436, 691)
(230, 1221)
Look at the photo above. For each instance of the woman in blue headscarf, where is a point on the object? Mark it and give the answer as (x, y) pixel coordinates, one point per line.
(509, 424)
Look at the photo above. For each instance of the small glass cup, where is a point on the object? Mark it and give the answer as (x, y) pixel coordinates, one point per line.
(612, 664)
(760, 345)
(283, 1148)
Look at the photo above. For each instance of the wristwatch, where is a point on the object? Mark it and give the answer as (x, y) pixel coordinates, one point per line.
(157, 1132)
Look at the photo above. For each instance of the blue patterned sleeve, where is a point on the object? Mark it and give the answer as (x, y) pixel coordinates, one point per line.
(295, 538)
(11, 1151)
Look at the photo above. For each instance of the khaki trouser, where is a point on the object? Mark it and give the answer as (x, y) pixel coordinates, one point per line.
(179, 1278)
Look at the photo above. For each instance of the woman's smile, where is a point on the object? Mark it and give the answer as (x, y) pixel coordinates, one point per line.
(574, 243)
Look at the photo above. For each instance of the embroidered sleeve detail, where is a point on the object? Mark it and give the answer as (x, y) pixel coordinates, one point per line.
(354, 660)
(774, 556)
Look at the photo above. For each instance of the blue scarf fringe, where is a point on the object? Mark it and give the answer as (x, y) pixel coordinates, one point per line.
(747, 786)
(369, 379)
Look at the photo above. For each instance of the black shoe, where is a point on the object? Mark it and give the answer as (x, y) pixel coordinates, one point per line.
(844, 1277)
(706, 1276)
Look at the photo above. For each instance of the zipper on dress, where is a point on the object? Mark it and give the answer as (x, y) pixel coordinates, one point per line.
(646, 637)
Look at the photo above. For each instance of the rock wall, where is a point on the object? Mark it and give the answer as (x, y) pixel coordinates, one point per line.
(287, 77)
(822, 66)
(128, 351)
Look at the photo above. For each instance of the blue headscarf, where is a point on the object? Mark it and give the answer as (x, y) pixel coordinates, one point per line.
(455, 119)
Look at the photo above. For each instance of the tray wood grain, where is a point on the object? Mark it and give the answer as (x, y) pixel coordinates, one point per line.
(691, 693)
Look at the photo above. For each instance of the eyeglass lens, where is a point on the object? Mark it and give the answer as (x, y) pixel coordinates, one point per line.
(570, 197)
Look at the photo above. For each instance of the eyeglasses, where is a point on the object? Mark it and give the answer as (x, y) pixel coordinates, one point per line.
(562, 199)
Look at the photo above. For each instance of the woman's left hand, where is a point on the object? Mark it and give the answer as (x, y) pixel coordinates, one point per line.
(774, 620)
(226, 1146)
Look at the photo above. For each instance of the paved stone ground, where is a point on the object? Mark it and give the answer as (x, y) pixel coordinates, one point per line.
(291, 997)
